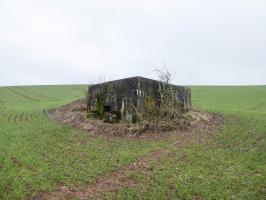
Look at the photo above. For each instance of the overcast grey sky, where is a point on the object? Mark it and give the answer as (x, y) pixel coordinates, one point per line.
(63, 41)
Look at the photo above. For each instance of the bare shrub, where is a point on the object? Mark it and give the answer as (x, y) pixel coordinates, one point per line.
(167, 115)
(97, 80)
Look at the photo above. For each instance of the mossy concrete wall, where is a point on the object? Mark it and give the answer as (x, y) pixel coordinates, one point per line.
(123, 97)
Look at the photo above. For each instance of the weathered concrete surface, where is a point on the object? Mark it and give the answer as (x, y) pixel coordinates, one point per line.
(121, 98)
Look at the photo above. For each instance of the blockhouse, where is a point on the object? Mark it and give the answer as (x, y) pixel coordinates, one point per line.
(120, 98)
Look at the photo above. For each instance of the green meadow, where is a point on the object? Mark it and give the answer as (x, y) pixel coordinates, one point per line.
(38, 154)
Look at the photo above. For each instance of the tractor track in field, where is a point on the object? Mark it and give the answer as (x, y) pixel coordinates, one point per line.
(9, 117)
(2, 106)
(109, 183)
(30, 117)
(3, 114)
(14, 118)
(47, 97)
(27, 117)
(38, 94)
(23, 95)
(23, 116)
(45, 112)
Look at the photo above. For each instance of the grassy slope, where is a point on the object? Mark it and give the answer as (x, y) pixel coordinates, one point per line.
(37, 154)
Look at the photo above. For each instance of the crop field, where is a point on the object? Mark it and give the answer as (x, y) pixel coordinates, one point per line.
(38, 155)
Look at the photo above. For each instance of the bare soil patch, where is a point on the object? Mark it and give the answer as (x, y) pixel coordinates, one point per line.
(110, 183)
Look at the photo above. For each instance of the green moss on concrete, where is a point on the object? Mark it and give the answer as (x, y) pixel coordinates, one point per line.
(100, 106)
(150, 103)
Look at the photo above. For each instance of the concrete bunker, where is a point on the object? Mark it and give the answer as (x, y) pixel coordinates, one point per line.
(119, 100)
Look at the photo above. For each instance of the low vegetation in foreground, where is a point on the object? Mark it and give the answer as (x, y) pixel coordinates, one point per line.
(38, 155)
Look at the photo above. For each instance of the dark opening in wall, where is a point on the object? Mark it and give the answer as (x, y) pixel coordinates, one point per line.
(107, 108)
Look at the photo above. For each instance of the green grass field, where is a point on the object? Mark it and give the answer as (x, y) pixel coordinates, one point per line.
(37, 154)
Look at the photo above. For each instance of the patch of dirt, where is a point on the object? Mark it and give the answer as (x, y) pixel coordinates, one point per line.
(200, 132)
(75, 115)
(110, 183)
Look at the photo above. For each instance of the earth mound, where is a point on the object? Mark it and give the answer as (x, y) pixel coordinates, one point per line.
(75, 115)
